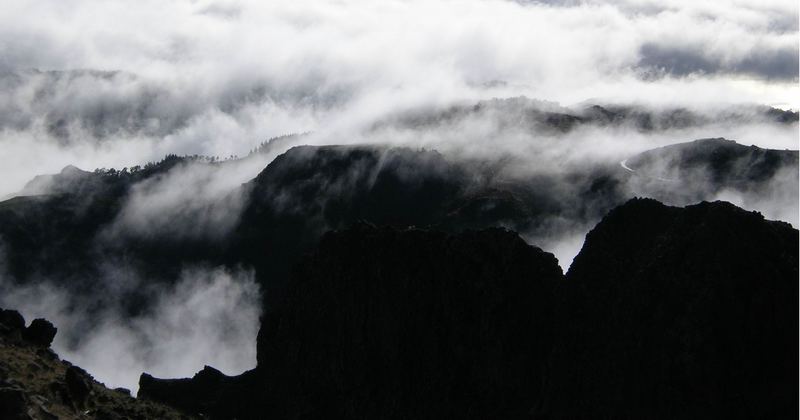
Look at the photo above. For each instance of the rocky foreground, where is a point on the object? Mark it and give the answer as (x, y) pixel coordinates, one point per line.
(36, 385)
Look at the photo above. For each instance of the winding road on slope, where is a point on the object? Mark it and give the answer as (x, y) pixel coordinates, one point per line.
(625, 166)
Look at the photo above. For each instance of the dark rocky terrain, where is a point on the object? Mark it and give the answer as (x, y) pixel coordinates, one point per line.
(388, 323)
(419, 324)
(59, 234)
(36, 385)
(71, 233)
(666, 313)
(679, 313)
(421, 304)
(299, 196)
(310, 190)
(705, 167)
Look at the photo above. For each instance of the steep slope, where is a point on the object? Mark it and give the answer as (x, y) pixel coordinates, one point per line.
(712, 169)
(718, 162)
(679, 313)
(57, 231)
(392, 323)
(69, 237)
(666, 313)
(310, 190)
(35, 384)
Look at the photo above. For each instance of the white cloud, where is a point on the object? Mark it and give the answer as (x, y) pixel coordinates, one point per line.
(209, 316)
(118, 83)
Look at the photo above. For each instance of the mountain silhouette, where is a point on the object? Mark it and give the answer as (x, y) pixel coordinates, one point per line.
(666, 312)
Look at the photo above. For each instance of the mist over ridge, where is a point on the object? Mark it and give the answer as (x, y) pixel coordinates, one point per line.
(166, 166)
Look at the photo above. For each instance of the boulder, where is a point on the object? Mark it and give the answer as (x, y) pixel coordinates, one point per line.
(11, 320)
(41, 332)
(79, 385)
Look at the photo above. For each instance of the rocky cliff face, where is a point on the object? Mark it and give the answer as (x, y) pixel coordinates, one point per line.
(703, 276)
(412, 324)
(71, 235)
(310, 190)
(679, 313)
(666, 313)
(388, 323)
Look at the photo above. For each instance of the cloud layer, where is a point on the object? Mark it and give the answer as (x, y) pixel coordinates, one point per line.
(210, 316)
(115, 83)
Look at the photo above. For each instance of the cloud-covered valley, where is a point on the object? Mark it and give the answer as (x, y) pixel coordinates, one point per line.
(118, 84)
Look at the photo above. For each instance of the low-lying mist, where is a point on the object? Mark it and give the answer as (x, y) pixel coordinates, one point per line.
(120, 84)
(208, 317)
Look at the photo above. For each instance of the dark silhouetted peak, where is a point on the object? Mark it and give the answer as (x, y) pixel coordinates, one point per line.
(309, 190)
(395, 323)
(666, 312)
(339, 184)
(390, 323)
(679, 313)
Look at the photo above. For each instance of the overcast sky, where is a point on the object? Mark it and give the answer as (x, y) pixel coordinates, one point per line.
(115, 83)
(119, 83)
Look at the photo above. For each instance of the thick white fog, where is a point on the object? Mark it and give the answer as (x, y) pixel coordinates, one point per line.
(114, 84)
(119, 83)
(209, 317)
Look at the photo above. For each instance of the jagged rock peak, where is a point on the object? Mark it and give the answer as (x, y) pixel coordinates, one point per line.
(692, 311)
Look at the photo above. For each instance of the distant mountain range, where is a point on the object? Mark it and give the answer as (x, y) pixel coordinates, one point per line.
(309, 190)
(551, 118)
(394, 284)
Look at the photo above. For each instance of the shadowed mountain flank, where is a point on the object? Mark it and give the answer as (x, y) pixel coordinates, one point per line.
(403, 209)
(416, 324)
(721, 162)
(81, 219)
(679, 313)
(667, 312)
(380, 322)
(88, 221)
(719, 169)
(126, 243)
(56, 227)
(309, 190)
